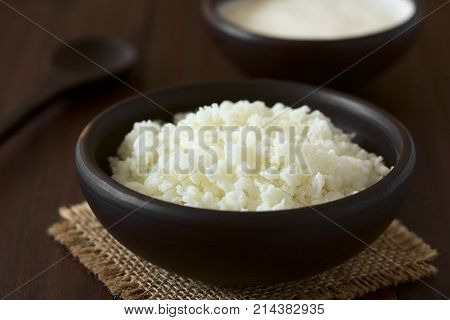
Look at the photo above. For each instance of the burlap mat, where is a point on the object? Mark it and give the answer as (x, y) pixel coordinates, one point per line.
(398, 256)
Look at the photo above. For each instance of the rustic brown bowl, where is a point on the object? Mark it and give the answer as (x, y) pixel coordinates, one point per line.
(245, 248)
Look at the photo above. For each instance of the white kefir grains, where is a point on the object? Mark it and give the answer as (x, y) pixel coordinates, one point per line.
(317, 19)
(245, 156)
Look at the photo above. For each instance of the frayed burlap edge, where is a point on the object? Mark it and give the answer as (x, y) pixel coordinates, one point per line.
(398, 256)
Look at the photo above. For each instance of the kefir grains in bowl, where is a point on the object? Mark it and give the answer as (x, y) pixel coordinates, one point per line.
(317, 19)
(215, 178)
(245, 156)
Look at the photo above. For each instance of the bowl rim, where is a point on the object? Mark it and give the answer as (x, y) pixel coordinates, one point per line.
(213, 17)
(87, 165)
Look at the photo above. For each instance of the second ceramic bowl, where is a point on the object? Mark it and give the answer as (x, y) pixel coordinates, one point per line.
(316, 61)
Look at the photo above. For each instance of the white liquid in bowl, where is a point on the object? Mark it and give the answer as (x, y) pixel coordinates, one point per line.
(317, 19)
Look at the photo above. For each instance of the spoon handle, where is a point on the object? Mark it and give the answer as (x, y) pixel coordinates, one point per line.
(24, 113)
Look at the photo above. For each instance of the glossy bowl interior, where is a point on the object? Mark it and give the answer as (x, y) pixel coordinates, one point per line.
(344, 61)
(245, 248)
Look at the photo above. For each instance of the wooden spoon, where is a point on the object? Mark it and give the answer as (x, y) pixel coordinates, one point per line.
(72, 65)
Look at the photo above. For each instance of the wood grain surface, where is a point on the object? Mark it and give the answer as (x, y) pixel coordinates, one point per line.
(36, 166)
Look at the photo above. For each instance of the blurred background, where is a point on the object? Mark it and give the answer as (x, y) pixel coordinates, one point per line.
(174, 47)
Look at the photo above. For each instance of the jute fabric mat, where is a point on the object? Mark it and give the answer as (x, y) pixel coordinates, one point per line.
(397, 256)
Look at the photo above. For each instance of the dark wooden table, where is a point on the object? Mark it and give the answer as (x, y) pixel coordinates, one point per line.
(37, 171)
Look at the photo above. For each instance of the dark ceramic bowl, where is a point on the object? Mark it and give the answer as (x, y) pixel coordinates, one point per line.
(310, 60)
(245, 248)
